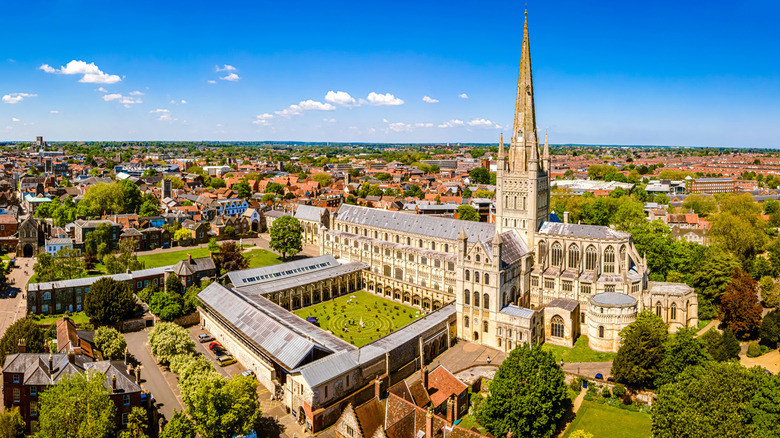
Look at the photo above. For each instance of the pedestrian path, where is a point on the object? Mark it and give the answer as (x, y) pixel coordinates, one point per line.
(713, 323)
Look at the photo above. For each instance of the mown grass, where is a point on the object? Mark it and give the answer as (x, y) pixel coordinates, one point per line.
(605, 421)
(579, 353)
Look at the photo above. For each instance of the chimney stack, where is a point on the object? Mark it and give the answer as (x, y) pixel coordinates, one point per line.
(189, 258)
(450, 411)
(72, 357)
(113, 383)
(378, 388)
(22, 346)
(138, 374)
(429, 424)
(51, 363)
(424, 377)
(565, 217)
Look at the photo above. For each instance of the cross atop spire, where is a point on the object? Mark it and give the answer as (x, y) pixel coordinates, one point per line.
(524, 146)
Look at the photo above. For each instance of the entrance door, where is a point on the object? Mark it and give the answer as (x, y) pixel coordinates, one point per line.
(28, 250)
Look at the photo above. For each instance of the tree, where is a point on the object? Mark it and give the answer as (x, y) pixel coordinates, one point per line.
(223, 408)
(230, 231)
(11, 423)
(110, 342)
(323, 178)
(769, 292)
(182, 234)
(770, 329)
(739, 308)
(383, 176)
(468, 213)
(702, 205)
(415, 192)
(479, 175)
(763, 412)
(180, 426)
(683, 350)
(708, 400)
(149, 208)
(641, 351)
(230, 257)
(107, 198)
(527, 395)
(131, 196)
(173, 285)
(109, 301)
(96, 242)
(136, 424)
(213, 246)
(167, 306)
(286, 235)
(27, 329)
(242, 189)
(274, 188)
(168, 340)
(711, 281)
(77, 406)
(771, 206)
(466, 193)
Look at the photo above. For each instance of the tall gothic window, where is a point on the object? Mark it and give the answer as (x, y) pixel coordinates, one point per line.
(601, 331)
(590, 258)
(485, 326)
(486, 301)
(542, 252)
(574, 256)
(623, 265)
(476, 277)
(609, 260)
(556, 325)
(465, 321)
(476, 299)
(658, 309)
(467, 297)
(673, 312)
(486, 278)
(557, 254)
(468, 275)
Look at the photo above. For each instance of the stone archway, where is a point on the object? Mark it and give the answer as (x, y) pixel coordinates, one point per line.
(255, 225)
(28, 250)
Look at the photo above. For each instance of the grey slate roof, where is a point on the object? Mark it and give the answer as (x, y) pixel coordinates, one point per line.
(579, 230)
(613, 299)
(511, 309)
(656, 287)
(302, 279)
(309, 213)
(564, 303)
(421, 225)
(270, 273)
(36, 370)
(60, 241)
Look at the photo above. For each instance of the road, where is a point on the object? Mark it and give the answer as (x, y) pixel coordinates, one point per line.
(12, 309)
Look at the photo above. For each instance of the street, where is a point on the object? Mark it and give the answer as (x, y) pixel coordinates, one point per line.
(12, 309)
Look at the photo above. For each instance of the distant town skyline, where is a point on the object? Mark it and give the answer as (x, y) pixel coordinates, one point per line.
(697, 73)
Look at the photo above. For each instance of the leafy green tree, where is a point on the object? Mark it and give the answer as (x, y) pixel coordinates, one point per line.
(268, 197)
(770, 329)
(629, 215)
(180, 426)
(242, 189)
(105, 198)
(711, 281)
(739, 308)
(468, 213)
(771, 206)
(223, 408)
(213, 245)
(702, 205)
(110, 342)
(173, 285)
(763, 412)
(323, 178)
(708, 400)
(132, 196)
(682, 351)
(78, 406)
(182, 234)
(136, 424)
(466, 193)
(479, 175)
(109, 301)
(11, 423)
(168, 340)
(97, 241)
(527, 395)
(641, 351)
(415, 192)
(351, 200)
(274, 188)
(286, 236)
(383, 176)
(149, 208)
(230, 231)
(27, 329)
(769, 292)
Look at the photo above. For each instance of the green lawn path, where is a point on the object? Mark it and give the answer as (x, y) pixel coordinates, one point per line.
(76, 317)
(580, 353)
(605, 421)
(380, 316)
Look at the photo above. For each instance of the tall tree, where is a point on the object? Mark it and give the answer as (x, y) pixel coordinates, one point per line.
(770, 329)
(27, 329)
(527, 395)
(109, 301)
(97, 241)
(682, 351)
(167, 340)
(230, 257)
(641, 351)
(110, 342)
(763, 413)
(286, 236)
(78, 406)
(11, 423)
(479, 175)
(223, 408)
(173, 285)
(136, 424)
(740, 309)
(468, 213)
(180, 426)
(711, 281)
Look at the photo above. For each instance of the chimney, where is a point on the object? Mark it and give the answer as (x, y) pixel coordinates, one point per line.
(189, 258)
(113, 383)
(565, 217)
(51, 363)
(72, 357)
(22, 346)
(138, 375)
(450, 411)
(429, 424)
(424, 377)
(378, 388)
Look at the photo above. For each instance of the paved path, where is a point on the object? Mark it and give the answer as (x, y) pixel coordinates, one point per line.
(13, 309)
(770, 361)
(589, 369)
(713, 323)
(152, 377)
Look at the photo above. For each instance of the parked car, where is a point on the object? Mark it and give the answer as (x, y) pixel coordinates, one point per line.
(220, 351)
(205, 338)
(225, 360)
(214, 345)
(249, 373)
(599, 376)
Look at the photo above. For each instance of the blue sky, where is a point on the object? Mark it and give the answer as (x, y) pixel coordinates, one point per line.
(703, 73)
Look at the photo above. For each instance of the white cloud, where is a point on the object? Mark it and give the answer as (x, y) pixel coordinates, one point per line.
(212, 82)
(136, 93)
(102, 90)
(305, 105)
(484, 123)
(91, 73)
(110, 97)
(163, 114)
(427, 99)
(14, 119)
(383, 99)
(263, 119)
(226, 67)
(399, 127)
(463, 96)
(54, 112)
(16, 97)
(340, 98)
(329, 120)
(232, 77)
(175, 102)
(423, 125)
(452, 123)
(124, 100)
(183, 101)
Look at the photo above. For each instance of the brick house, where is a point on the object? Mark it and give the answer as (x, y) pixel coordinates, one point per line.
(199, 230)
(8, 228)
(191, 271)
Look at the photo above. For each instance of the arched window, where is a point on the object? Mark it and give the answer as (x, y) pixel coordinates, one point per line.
(609, 260)
(46, 296)
(557, 254)
(420, 243)
(601, 331)
(542, 252)
(673, 312)
(484, 326)
(574, 256)
(485, 301)
(556, 326)
(478, 258)
(468, 275)
(408, 240)
(476, 277)
(446, 247)
(433, 246)
(623, 265)
(467, 297)
(465, 321)
(486, 278)
(590, 258)
(499, 342)
(658, 309)
(476, 299)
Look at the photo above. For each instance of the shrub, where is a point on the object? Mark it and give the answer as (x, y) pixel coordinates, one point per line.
(605, 392)
(754, 350)
(575, 385)
(619, 390)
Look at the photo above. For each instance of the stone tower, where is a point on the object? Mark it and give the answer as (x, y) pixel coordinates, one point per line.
(522, 192)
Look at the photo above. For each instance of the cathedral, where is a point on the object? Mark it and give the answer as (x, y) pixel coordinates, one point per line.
(522, 278)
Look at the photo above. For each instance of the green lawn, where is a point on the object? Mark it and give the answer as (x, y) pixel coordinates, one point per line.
(380, 316)
(703, 323)
(580, 353)
(172, 257)
(467, 422)
(78, 318)
(261, 257)
(605, 421)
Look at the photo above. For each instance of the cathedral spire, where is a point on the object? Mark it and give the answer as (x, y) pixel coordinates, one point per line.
(546, 147)
(501, 147)
(524, 144)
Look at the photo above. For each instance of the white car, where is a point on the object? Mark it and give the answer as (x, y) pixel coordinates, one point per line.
(205, 338)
